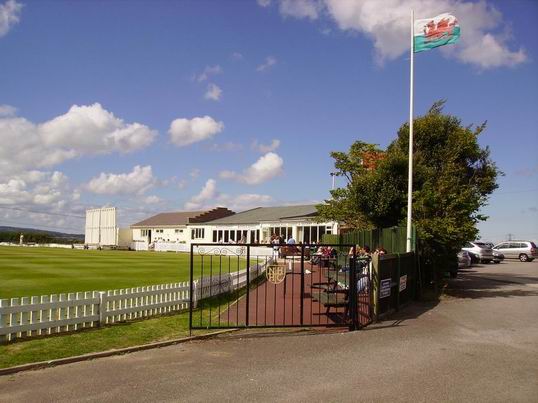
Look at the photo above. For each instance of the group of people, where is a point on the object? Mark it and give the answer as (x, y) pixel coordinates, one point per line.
(364, 251)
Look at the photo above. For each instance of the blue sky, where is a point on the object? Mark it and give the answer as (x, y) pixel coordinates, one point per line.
(285, 83)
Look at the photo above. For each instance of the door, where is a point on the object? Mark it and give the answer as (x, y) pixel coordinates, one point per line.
(512, 250)
(517, 249)
(504, 249)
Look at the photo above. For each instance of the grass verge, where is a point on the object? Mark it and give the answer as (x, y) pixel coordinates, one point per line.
(120, 335)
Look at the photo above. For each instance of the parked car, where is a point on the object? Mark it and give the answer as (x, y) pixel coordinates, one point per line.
(525, 251)
(464, 259)
(479, 252)
(498, 257)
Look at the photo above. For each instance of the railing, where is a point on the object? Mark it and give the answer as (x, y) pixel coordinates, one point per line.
(51, 314)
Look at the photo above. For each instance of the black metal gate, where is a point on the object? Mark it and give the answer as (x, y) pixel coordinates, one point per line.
(252, 285)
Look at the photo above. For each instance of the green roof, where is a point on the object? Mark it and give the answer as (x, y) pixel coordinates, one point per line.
(261, 214)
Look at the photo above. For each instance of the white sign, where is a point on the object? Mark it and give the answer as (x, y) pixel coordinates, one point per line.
(385, 288)
(403, 282)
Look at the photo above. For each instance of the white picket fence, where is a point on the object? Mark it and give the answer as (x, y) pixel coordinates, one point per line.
(50, 314)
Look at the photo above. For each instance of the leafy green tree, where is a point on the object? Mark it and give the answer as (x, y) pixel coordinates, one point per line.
(453, 178)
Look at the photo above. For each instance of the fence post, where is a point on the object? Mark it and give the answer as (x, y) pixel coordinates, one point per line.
(302, 285)
(398, 272)
(248, 287)
(375, 285)
(352, 293)
(191, 289)
(102, 308)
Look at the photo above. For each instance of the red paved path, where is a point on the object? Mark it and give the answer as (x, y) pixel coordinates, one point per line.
(280, 304)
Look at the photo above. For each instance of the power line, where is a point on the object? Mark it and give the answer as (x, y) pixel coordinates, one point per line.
(41, 212)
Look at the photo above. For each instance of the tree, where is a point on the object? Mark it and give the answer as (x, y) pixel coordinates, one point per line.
(453, 178)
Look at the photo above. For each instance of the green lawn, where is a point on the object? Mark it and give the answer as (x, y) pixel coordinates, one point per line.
(41, 271)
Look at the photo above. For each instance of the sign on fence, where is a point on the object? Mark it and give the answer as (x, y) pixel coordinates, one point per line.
(384, 290)
(403, 282)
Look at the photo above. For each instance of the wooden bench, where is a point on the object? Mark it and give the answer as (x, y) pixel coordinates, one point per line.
(332, 300)
(293, 250)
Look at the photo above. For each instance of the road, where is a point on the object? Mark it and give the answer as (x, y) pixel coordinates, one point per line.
(480, 343)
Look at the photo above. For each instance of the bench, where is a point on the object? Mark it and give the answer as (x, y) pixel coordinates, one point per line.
(293, 250)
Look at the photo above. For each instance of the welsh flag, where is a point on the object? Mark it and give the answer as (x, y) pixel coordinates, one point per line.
(437, 31)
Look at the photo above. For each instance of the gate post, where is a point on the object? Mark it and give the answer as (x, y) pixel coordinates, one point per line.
(248, 286)
(398, 274)
(302, 285)
(352, 294)
(191, 289)
(374, 283)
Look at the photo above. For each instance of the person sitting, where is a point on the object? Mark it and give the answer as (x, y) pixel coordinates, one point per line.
(380, 250)
(354, 252)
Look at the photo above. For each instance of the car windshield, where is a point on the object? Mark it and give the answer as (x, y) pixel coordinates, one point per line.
(481, 244)
(533, 245)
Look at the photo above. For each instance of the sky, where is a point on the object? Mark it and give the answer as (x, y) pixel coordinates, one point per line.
(155, 106)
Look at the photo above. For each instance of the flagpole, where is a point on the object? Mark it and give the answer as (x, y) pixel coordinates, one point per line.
(410, 174)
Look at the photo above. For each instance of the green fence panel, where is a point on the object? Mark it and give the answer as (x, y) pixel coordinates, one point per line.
(393, 240)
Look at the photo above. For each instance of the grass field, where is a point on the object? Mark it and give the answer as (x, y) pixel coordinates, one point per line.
(42, 271)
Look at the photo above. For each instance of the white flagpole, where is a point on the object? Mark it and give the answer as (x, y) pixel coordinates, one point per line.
(410, 174)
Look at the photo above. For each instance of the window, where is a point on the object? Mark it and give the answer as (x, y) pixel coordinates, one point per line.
(144, 232)
(179, 231)
(159, 231)
(197, 233)
(215, 239)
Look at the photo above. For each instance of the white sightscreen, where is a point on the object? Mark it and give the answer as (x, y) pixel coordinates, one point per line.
(101, 226)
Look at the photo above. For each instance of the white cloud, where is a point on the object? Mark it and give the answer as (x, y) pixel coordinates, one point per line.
(386, 23)
(83, 130)
(37, 188)
(206, 196)
(182, 184)
(264, 3)
(152, 199)
(237, 56)
(265, 168)
(270, 61)
(94, 130)
(249, 200)
(210, 197)
(213, 92)
(7, 110)
(136, 182)
(265, 148)
(9, 15)
(208, 72)
(301, 8)
(188, 131)
(194, 173)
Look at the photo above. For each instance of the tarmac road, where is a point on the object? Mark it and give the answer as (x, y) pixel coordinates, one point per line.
(480, 343)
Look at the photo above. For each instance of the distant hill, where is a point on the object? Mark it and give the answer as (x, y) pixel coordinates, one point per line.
(42, 234)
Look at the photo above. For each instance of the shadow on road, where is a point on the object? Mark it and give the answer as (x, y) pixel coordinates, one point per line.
(491, 285)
